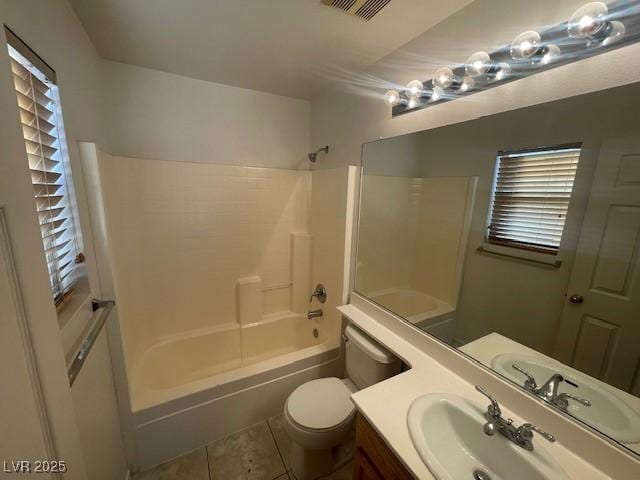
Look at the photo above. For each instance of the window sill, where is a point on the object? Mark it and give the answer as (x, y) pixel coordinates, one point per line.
(515, 254)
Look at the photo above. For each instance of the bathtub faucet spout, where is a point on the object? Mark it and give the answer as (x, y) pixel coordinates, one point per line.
(314, 313)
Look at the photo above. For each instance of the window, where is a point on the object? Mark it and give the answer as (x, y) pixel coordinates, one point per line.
(43, 134)
(531, 198)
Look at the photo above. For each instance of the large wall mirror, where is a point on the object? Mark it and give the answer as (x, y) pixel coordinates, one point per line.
(515, 238)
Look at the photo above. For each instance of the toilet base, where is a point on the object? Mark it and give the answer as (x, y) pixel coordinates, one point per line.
(310, 464)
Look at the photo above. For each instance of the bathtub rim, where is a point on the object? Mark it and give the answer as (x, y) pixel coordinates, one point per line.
(441, 310)
(172, 400)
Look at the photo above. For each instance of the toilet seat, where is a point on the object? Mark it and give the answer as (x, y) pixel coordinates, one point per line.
(320, 413)
(321, 404)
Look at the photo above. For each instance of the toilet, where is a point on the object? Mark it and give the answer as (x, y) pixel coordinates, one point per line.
(319, 415)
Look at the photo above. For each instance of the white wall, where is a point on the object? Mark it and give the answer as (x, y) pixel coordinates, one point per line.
(157, 115)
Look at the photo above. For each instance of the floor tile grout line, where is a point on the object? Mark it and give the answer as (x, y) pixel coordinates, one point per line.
(277, 448)
(206, 451)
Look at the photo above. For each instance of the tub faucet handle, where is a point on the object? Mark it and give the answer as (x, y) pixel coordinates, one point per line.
(320, 293)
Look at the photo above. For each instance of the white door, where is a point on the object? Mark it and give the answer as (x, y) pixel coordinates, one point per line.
(599, 331)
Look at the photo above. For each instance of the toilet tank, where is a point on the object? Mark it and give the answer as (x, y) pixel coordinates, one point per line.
(367, 362)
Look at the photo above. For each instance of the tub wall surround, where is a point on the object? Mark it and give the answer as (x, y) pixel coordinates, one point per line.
(412, 243)
(207, 228)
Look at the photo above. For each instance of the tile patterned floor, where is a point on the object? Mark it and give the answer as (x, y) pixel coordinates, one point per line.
(257, 453)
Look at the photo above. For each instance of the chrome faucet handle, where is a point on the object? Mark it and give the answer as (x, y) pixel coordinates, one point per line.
(530, 383)
(562, 400)
(526, 430)
(493, 411)
(320, 293)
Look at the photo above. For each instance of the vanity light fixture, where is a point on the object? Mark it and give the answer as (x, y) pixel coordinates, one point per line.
(528, 46)
(592, 29)
(591, 22)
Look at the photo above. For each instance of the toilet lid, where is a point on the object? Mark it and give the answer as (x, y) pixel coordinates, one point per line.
(321, 404)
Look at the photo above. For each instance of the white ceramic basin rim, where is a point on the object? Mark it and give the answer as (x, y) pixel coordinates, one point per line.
(447, 431)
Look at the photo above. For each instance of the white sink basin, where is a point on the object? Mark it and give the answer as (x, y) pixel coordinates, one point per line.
(447, 433)
(608, 413)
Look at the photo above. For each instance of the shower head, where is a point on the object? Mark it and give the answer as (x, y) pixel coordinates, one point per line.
(314, 155)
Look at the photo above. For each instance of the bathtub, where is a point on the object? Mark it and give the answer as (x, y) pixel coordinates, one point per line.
(191, 389)
(428, 313)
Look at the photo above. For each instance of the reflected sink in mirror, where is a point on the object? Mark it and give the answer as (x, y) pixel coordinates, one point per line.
(447, 431)
(608, 412)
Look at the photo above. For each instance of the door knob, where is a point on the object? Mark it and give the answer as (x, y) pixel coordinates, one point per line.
(576, 298)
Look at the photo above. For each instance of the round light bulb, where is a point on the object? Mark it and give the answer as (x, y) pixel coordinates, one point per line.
(617, 31)
(443, 77)
(392, 97)
(525, 45)
(504, 69)
(413, 103)
(437, 94)
(467, 84)
(478, 64)
(588, 20)
(551, 54)
(414, 89)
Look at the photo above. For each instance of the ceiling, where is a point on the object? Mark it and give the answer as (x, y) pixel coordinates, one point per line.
(287, 47)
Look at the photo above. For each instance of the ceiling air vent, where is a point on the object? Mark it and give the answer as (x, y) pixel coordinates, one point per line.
(365, 9)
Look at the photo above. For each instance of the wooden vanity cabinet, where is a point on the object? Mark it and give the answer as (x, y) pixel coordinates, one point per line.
(373, 459)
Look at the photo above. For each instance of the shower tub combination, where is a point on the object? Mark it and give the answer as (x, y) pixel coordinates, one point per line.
(195, 363)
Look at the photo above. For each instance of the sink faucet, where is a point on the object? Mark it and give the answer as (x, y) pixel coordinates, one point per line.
(521, 436)
(549, 391)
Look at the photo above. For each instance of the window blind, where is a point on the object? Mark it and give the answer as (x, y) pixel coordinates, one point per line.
(37, 102)
(531, 198)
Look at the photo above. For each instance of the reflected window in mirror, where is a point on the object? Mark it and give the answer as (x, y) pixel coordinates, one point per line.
(531, 196)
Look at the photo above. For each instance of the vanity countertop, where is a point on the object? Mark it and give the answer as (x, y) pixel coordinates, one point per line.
(385, 405)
